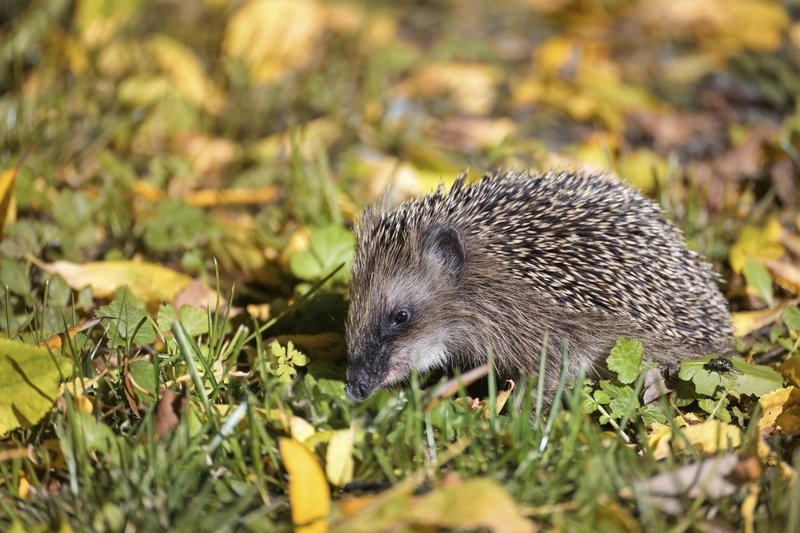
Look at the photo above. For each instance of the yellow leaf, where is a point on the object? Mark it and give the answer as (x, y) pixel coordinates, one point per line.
(142, 90)
(749, 507)
(644, 169)
(791, 369)
(98, 21)
(339, 457)
(785, 274)
(780, 410)
(8, 204)
(186, 73)
(658, 440)
(709, 437)
(29, 377)
(271, 37)
(300, 428)
(758, 243)
(746, 322)
(553, 54)
(502, 396)
(309, 494)
(476, 503)
(470, 86)
(151, 283)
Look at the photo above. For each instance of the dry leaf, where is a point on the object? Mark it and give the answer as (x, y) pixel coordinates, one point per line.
(706, 437)
(476, 503)
(785, 274)
(469, 133)
(471, 87)
(168, 413)
(149, 282)
(780, 410)
(309, 494)
(791, 369)
(215, 197)
(670, 490)
(301, 430)
(723, 26)
(186, 74)
(709, 437)
(339, 457)
(746, 322)
(208, 153)
(271, 37)
(758, 243)
(8, 203)
(502, 396)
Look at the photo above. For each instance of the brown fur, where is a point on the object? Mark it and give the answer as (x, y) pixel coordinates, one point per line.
(491, 268)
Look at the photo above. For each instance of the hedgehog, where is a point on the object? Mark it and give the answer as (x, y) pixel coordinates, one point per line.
(517, 266)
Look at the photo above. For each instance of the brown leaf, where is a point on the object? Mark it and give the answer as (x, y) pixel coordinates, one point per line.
(785, 273)
(168, 412)
(670, 490)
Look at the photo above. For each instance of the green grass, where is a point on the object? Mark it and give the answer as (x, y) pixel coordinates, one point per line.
(91, 135)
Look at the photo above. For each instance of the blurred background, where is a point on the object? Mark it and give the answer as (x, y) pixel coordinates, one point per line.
(183, 131)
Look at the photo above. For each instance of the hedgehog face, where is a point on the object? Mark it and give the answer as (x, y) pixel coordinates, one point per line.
(397, 310)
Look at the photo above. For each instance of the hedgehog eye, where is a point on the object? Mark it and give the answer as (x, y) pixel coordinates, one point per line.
(401, 317)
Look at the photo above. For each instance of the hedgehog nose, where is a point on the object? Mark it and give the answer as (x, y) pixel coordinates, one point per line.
(356, 390)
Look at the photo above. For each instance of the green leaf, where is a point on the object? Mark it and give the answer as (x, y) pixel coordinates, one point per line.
(623, 402)
(14, 276)
(143, 372)
(791, 317)
(626, 359)
(29, 378)
(652, 414)
(719, 408)
(329, 247)
(745, 378)
(129, 318)
(758, 278)
(194, 320)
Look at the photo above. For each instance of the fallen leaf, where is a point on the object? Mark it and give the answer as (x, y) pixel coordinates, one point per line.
(301, 429)
(8, 204)
(785, 274)
(709, 437)
(57, 341)
(244, 196)
(271, 37)
(780, 410)
(470, 86)
(309, 494)
(791, 369)
(207, 153)
(670, 491)
(149, 282)
(749, 507)
(29, 377)
(99, 21)
(746, 322)
(757, 242)
(168, 413)
(502, 396)
(339, 457)
(186, 74)
(470, 133)
(479, 503)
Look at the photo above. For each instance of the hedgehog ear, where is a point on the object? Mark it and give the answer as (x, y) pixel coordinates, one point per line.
(444, 247)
